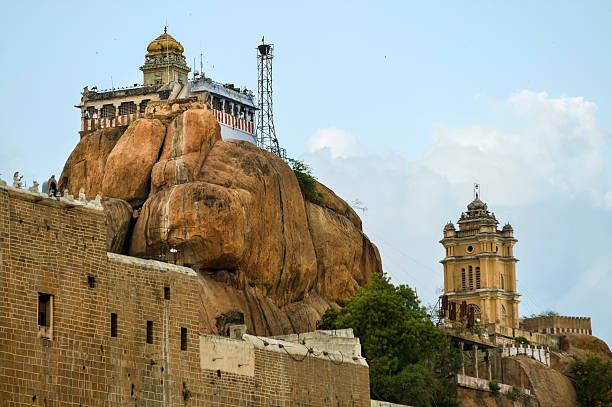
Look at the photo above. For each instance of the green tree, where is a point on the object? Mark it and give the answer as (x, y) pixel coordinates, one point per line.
(308, 183)
(593, 381)
(410, 359)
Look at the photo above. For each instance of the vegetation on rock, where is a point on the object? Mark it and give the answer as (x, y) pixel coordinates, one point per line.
(411, 361)
(593, 381)
(307, 181)
(494, 387)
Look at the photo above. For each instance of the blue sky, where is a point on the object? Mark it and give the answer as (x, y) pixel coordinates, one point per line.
(402, 105)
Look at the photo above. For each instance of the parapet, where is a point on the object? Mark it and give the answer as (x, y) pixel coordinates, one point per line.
(66, 200)
(558, 324)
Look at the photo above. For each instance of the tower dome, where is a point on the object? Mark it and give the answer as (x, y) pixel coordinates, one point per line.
(164, 44)
(164, 62)
(476, 204)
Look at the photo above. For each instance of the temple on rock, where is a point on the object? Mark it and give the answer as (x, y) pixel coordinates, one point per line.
(479, 269)
(165, 77)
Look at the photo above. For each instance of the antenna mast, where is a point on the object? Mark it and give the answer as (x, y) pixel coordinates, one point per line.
(266, 135)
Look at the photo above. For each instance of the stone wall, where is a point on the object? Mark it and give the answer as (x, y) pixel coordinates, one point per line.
(555, 324)
(58, 249)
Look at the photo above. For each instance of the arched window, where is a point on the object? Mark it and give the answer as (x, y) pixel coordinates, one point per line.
(470, 277)
(501, 281)
(477, 277)
(463, 279)
(503, 311)
(476, 309)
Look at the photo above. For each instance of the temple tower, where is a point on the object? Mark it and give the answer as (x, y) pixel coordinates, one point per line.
(479, 266)
(164, 62)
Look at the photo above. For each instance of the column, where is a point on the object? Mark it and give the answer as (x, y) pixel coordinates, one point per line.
(488, 358)
(475, 352)
(462, 357)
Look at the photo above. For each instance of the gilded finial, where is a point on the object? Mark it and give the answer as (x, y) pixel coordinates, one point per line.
(165, 29)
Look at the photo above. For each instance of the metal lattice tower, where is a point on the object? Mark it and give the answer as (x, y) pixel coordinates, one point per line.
(266, 135)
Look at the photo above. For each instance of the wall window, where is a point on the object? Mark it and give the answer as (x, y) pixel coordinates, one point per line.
(44, 309)
(108, 111)
(183, 338)
(113, 327)
(143, 105)
(501, 281)
(477, 277)
(166, 293)
(149, 331)
(127, 108)
(503, 311)
(463, 279)
(470, 277)
(45, 315)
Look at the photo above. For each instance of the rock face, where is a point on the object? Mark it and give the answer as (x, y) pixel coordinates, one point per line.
(232, 212)
(127, 172)
(118, 219)
(85, 166)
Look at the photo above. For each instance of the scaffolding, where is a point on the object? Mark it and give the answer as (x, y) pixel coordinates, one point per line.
(266, 135)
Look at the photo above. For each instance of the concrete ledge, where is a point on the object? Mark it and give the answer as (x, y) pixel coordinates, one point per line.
(149, 264)
(378, 403)
(299, 351)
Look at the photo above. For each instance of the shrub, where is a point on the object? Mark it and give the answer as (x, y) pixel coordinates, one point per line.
(187, 394)
(515, 394)
(494, 387)
(522, 340)
(593, 381)
(307, 181)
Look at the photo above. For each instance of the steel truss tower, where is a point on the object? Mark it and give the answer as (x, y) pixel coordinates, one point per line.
(266, 135)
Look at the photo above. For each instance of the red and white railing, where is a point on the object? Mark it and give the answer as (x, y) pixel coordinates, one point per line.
(106, 122)
(234, 122)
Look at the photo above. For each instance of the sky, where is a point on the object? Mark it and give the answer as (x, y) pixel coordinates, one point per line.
(402, 106)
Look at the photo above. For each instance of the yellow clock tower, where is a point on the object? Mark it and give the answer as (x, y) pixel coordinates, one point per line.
(479, 266)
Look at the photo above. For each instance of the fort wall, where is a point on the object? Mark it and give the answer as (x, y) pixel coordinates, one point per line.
(83, 327)
(555, 324)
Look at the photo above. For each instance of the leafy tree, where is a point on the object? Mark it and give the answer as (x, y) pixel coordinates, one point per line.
(410, 359)
(593, 381)
(307, 181)
(547, 313)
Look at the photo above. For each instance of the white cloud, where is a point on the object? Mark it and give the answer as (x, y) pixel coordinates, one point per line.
(558, 152)
(546, 167)
(339, 142)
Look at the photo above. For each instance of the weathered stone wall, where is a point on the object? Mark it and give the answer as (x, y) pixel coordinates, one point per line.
(49, 246)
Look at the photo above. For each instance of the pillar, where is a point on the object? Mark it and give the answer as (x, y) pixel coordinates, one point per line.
(475, 351)
(488, 358)
(462, 361)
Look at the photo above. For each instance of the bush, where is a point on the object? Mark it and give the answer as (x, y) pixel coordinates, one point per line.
(307, 181)
(593, 381)
(522, 340)
(494, 387)
(515, 394)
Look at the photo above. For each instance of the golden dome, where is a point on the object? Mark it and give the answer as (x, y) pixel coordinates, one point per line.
(164, 44)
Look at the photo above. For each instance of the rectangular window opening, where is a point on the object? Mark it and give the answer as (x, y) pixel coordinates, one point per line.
(44, 309)
(113, 330)
(183, 338)
(149, 331)
(166, 292)
(477, 277)
(91, 280)
(470, 278)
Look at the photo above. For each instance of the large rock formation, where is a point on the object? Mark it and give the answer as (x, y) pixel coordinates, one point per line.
(232, 212)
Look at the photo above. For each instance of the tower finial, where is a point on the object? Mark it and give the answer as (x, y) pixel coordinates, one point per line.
(476, 190)
(165, 29)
